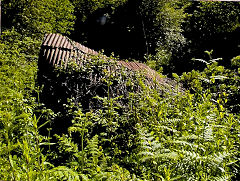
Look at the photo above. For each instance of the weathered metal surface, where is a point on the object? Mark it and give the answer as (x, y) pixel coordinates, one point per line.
(57, 50)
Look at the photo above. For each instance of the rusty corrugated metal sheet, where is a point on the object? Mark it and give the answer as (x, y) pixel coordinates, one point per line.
(58, 49)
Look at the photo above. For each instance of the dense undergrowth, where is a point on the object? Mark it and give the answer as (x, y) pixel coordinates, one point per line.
(140, 133)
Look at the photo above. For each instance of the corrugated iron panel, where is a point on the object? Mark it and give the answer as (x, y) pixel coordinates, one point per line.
(63, 41)
(51, 56)
(49, 43)
(62, 58)
(55, 41)
(56, 55)
(46, 39)
(58, 50)
(59, 57)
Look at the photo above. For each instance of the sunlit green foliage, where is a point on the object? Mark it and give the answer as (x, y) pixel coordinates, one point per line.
(20, 152)
(37, 17)
(128, 130)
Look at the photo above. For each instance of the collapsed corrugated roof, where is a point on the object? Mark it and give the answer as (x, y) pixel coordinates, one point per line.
(58, 50)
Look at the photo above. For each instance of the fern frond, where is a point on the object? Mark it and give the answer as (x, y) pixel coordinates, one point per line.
(144, 153)
(221, 178)
(219, 157)
(200, 60)
(184, 143)
(156, 145)
(92, 146)
(215, 60)
(64, 173)
(218, 77)
(168, 128)
(208, 133)
(191, 155)
(166, 156)
(66, 144)
(189, 137)
(205, 80)
(146, 147)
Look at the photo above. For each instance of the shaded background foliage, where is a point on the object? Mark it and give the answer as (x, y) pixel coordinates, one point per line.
(134, 29)
(210, 26)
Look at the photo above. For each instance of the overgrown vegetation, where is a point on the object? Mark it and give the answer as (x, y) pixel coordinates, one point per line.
(99, 121)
